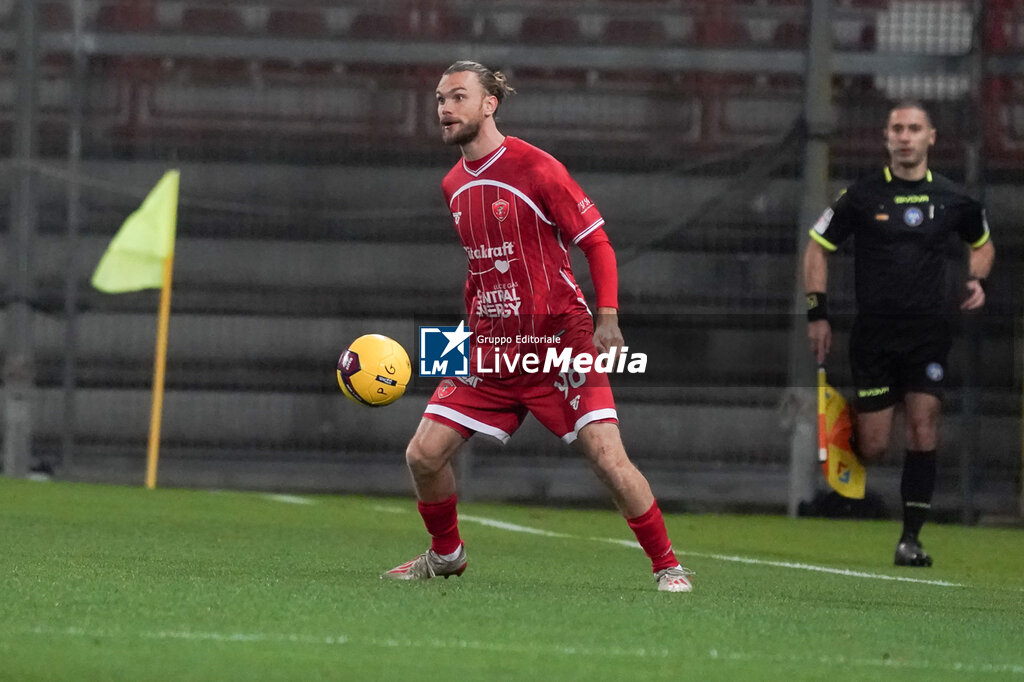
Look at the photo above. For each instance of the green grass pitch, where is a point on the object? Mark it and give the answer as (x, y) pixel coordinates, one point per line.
(113, 583)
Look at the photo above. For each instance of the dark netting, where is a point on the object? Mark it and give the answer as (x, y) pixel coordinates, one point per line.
(311, 213)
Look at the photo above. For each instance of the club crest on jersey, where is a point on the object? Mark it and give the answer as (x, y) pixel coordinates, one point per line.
(500, 209)
(913, 216)
(457, 215)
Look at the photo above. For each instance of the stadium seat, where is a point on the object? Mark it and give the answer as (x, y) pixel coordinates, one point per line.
(790, 36)
(720, 32)
(297, 23)
(1003, 122)
(1004, 26)
(549, 29)
(869, 37)
(55, 16)
(375, 26)
(127, 16)
(214, 21)
(51, 16)
(443, 23)
(635, 32)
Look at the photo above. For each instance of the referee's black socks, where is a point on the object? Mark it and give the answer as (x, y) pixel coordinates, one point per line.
(916, 488)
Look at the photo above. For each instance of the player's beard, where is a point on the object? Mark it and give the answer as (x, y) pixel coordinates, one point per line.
(462, 135)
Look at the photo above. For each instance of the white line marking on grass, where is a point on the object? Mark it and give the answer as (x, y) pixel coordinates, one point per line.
(844, 662)
(258, 638)
(290, 499)
(388, 509)
(494, 523)
(790, 564)
(515, 528)
(197, 636)
(841, 662)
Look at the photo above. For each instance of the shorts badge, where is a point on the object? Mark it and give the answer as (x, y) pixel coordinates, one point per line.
(446, 388)
(934, 371)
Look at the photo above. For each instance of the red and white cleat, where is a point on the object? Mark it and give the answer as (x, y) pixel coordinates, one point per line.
(675, 579)
(429, 565)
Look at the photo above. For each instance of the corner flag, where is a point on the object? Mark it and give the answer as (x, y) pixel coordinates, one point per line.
(141, 256)
(842, 470)
(135, 258)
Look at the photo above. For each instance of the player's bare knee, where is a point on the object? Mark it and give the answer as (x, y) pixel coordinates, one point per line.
(422, 459)
(871, 450)
(922, 434)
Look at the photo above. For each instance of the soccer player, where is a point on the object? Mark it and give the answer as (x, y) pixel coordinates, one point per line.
(516, 211)
(901, 218)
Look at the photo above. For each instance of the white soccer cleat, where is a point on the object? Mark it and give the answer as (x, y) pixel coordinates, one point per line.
(429, 565)
(675, 579)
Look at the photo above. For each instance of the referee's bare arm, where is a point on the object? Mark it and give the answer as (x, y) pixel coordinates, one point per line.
(979, 267)
(819, 332)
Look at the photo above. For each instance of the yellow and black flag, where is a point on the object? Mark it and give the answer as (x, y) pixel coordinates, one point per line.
(842, 470)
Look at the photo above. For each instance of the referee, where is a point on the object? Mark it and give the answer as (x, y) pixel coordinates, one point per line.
(901, 217)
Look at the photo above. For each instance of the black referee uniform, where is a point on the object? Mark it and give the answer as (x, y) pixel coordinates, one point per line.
(901, 229)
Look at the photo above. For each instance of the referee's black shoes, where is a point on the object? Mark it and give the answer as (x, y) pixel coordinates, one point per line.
(910, 553)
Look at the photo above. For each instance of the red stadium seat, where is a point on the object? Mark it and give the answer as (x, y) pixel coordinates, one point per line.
(372, 26)
(549, 29)
(442, 22)
(635, 32)
(212, 20)
(873, 4)
(790, 36)
(55, 16)
(127, 16)
(297, 23)
(720, 32)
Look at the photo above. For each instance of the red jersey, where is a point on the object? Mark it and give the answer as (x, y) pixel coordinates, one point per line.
(516, 211)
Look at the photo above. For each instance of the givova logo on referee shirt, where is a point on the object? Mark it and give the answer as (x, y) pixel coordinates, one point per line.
(444, 351)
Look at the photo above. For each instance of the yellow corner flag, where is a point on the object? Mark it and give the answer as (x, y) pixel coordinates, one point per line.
(135, 258)
(842, 470)
(141, 256)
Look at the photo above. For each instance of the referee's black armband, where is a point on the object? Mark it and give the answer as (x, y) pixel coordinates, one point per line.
(817, 306)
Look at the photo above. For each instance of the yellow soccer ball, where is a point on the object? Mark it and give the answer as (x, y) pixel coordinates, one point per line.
(374, 370)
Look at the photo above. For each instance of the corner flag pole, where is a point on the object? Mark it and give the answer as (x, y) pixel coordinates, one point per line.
(141, 256)
(159, 367)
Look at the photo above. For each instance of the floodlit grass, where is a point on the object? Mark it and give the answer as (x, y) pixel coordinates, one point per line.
(112, 583)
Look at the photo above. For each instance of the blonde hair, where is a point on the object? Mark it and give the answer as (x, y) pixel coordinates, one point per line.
(495, 83)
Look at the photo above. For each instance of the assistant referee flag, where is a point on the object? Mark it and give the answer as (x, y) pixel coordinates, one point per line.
(135, 258)
(842, 470)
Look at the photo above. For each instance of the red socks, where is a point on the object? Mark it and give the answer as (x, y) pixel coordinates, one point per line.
(442, 522)
(650, 532)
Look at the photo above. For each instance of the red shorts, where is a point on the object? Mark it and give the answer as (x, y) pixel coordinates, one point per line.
(562, 402)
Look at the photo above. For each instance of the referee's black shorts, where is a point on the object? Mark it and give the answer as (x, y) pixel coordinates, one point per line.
(892, 356)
